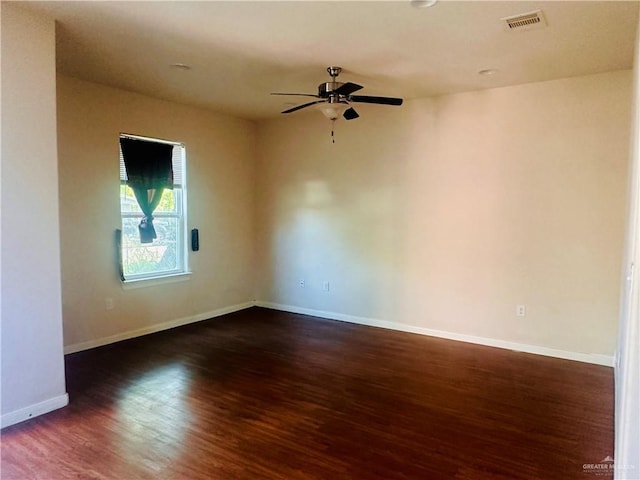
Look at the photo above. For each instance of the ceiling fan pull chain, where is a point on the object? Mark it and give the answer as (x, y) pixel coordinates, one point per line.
(333, 124)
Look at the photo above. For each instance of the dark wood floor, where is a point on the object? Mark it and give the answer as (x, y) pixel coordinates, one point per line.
(261, 394)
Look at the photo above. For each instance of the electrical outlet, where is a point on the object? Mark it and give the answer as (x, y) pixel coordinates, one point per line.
(521, 310)
(301, 283)
(108, 303)
(325, 286)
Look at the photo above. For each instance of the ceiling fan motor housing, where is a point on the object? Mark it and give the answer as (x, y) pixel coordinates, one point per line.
(326, 89)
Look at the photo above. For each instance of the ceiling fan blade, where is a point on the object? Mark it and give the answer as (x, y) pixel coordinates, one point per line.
(347, 89)
(304, 105)
(298, 94)
(350, 114)
(378, 100)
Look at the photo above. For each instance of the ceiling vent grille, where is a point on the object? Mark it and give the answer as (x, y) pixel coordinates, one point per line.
(525, 21)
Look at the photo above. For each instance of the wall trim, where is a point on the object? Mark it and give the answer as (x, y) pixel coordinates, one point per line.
(157, 327)
(595, 358)
(34, 410)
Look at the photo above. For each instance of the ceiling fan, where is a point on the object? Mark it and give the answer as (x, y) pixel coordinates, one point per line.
(337, 98)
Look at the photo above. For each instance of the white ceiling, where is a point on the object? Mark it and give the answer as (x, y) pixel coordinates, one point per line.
(240, 51)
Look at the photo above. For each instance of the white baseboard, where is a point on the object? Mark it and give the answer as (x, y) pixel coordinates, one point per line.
(34, 410)
(158, 327)
(598, 359)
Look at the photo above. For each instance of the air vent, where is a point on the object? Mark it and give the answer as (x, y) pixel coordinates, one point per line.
(525, 21)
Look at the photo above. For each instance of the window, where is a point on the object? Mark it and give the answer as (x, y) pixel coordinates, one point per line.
(167, 254)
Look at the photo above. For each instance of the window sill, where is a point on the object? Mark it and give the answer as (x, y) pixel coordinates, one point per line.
(152, 282)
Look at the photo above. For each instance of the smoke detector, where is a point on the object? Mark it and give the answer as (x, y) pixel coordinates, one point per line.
(525, 21)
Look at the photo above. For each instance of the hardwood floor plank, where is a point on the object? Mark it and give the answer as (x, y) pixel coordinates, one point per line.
(260, 394)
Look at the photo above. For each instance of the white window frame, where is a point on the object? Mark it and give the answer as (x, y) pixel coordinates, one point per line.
(180, 188)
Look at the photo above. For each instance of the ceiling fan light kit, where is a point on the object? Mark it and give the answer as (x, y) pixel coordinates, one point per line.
(333, 111)
(335, 98)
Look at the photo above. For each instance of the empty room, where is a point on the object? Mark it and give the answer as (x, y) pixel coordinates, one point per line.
(320, 240)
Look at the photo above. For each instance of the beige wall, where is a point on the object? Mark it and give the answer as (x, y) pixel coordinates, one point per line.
(448, 212)
(443, 214)
(220, 153)
(31, 353)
